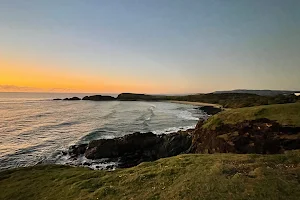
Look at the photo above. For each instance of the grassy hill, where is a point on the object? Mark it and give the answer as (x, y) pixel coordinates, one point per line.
(216, 176)
(227, 100)
(285, 114)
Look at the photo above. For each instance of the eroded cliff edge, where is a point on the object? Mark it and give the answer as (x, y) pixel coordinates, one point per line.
(268, 129)
(261, 136)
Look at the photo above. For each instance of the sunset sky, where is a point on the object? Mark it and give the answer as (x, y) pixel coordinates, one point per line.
(149, 46)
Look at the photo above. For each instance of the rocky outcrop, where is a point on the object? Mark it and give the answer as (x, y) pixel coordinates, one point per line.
(135, 148)
(57, 99)
(72, 99)
(99, 98)
(261, 136)
(210, 110)
(76, 150)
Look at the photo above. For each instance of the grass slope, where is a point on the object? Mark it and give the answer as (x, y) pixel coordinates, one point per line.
(227, 100)
(285, 114)
(216, 176)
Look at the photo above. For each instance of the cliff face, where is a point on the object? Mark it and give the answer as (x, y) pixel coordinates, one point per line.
(260, 136)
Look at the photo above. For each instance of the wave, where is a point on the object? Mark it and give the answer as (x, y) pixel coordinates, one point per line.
(98, 164)
(59, 125)
(172, 130)
(97, 134)
(147, 115)
(109, 115)
(186, 115)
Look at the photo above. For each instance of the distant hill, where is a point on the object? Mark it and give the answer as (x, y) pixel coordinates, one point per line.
(259, 92)
(227, 100)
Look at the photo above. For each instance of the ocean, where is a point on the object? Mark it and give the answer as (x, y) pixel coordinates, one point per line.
(35, 129)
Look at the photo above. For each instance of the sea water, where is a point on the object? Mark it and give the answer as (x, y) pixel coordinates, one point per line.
(35, 129)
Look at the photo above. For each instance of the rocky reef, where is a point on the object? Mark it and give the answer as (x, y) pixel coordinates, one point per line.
(72, 99)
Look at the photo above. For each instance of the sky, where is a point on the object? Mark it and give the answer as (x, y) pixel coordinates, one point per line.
(149, 46)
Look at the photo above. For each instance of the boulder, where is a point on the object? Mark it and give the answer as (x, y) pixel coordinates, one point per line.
(57, 99)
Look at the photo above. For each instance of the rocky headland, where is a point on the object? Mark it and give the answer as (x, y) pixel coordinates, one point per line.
(253, 130)
(262, 136)
(99, 98)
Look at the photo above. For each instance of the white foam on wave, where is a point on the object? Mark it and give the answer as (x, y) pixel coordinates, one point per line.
(172, 130)
(186, 115)
(82, 161)
(107, 137)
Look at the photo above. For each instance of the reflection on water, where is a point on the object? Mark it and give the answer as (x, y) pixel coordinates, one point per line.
(36, 129)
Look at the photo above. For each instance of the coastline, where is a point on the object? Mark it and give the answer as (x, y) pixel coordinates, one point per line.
(196, 103)
(230, 152)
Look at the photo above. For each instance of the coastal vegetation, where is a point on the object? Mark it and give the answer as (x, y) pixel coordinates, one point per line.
(226, 100)
(237, 100)
(267, 129)
(193, 176)
(284, 114)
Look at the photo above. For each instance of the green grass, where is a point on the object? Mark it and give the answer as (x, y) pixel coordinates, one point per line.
(285, 114)
(227, 100)
(193, 176)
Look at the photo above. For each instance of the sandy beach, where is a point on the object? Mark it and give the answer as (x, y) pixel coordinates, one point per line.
(197, 103)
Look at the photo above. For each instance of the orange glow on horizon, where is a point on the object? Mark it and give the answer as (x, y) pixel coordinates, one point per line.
(27, 76)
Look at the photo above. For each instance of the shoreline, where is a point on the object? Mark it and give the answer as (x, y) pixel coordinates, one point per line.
(196, 103)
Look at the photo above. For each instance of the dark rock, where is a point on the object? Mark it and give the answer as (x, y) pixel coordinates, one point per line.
(109, 167)
(140, 97)
(136, 148)
(210, 110)
(72, 99)
(76, 150)
(261, 136)
(57, 99)
(86, 164)
(99, 98)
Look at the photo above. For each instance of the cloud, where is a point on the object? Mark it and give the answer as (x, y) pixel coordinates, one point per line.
(14, 88)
